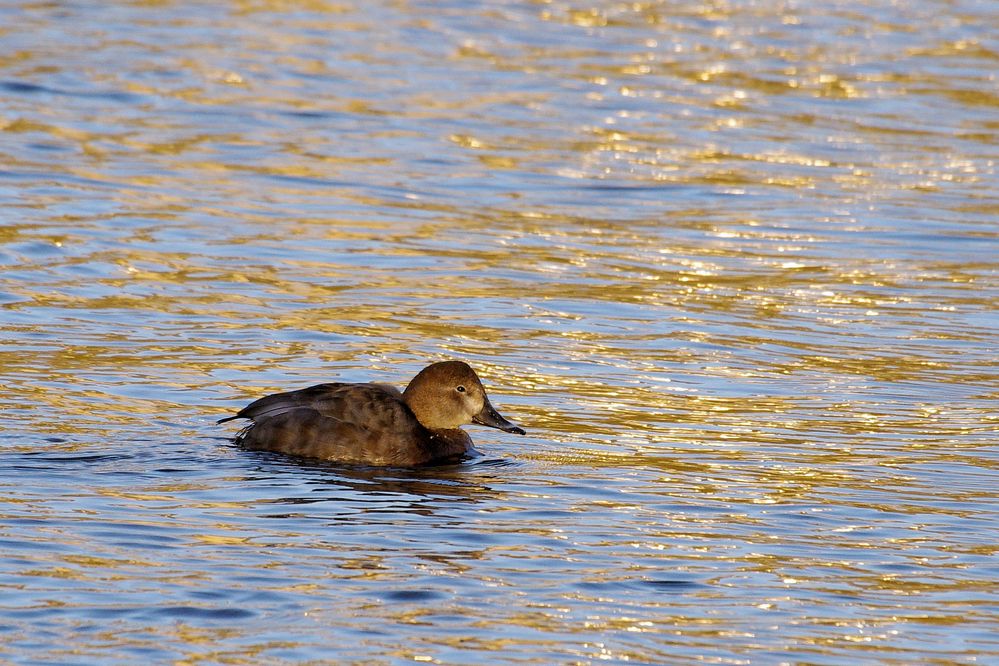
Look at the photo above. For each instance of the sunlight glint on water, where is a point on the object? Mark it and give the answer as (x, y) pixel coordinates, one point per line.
(732, 266)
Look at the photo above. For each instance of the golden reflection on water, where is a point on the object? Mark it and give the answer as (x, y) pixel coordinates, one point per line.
(732, 267)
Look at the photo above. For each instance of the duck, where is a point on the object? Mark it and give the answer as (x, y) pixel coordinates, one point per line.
(376, 424)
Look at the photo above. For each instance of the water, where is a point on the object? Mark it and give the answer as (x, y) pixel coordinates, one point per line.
(732, 265)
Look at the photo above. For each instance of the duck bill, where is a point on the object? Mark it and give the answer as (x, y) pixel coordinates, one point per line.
(488, 416)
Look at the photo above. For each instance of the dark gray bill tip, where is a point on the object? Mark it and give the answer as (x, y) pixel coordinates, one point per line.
(491, 418)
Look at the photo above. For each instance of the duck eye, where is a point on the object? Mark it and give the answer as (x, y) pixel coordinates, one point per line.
(460, 389)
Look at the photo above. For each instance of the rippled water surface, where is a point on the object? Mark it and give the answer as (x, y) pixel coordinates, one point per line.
(733, 265)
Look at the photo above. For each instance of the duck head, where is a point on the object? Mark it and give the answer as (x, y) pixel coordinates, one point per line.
(449, 394)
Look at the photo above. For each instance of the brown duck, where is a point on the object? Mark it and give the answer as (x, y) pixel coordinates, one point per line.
(375, 424)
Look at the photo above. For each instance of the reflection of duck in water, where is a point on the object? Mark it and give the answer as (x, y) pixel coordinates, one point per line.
(338, 493)
(375, 424)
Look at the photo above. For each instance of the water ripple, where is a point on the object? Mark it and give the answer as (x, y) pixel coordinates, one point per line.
(731, 265)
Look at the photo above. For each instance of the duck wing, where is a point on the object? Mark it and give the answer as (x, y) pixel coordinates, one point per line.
(336, 400)
(307, 433)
